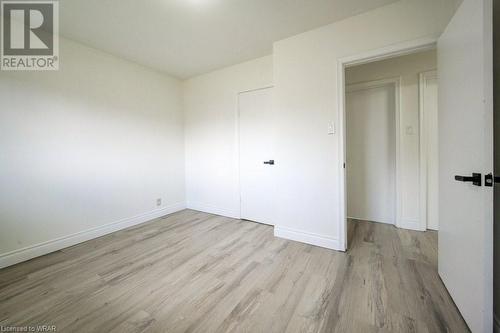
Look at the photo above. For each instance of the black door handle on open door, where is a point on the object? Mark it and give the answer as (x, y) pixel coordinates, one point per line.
(489, 180)
(475, 179)
(270, 162)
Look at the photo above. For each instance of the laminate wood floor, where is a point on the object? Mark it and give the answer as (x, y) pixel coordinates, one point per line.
(196, 272)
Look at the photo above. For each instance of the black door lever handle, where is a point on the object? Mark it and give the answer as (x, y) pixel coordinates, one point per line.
(270, 162)
(475, 179)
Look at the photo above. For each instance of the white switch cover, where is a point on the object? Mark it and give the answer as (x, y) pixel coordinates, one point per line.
(331, 128)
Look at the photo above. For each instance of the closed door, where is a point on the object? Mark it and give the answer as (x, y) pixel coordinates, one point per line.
(257, 163)
(465, 157)
(371, 153)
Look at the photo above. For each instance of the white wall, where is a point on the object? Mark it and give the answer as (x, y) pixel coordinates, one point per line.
(305, 99)
(211, 140)
(408, 69)
(91, 144)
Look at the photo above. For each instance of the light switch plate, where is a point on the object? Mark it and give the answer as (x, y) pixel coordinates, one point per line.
(331, 128)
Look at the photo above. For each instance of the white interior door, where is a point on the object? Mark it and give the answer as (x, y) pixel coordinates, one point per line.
(429, 143)
(371, 152)
(256, 155)
(466, 147)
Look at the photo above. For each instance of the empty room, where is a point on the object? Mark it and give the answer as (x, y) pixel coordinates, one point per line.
(249, 166)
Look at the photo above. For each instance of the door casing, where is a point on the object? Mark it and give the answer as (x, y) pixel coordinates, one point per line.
(396, 50)
(424, 153)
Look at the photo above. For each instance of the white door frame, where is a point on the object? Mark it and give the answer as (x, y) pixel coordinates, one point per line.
(396, 50)
(396, 82)
(424, 154)
(237, 126)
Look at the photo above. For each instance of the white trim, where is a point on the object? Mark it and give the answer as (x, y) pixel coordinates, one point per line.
(391, 51)
(33, 251)
(256, 89)
(396, 81)
(395, 50)
(238, 150)
(211, 209)
(373, 84)
(410, 224)
(369, 220)
(424, 154)
(307, 237)
(342, 222)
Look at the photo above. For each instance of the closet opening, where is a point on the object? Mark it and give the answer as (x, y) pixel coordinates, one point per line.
(391, 144)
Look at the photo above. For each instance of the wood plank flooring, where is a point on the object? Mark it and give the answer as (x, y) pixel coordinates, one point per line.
(196, 272)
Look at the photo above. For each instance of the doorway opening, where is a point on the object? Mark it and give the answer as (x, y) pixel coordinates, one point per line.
(390, 132)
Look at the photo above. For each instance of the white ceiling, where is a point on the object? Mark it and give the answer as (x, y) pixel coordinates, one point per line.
(189, 37)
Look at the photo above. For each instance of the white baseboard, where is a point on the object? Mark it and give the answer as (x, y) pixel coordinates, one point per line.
(307, 237)
(410, 225)
(369, 220)
(207, 208)
(496, 324)
(404, 223)
(30, 252)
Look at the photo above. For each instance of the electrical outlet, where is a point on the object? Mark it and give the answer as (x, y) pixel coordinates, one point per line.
(158, 202)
